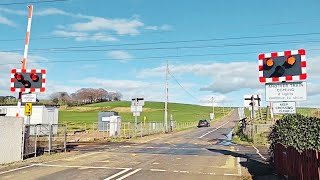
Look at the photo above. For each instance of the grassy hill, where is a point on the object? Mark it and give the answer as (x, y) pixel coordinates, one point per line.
(152, 110)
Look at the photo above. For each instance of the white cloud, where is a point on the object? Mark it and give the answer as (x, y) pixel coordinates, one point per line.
(217, 100)
(120, 26)
(227, 77)
(152, 91)
(231, 84)
(121, 55)
(50, 11)
(115, 85)
(98, 37)
(62, 33)
(154, 28)
(11, 11)
(6, 21)
(260, 92)
(164, 27)
(313, 89)
(313, 69)
(53, 86)
(82, 36)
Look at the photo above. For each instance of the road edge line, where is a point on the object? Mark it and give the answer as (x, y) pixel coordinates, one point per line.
(213, 130)
(258, 152)
(16, 169)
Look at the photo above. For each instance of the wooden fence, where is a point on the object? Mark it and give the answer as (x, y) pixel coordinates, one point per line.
(291, 164)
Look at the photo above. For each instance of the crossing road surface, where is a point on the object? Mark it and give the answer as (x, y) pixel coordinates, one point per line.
(203, 153)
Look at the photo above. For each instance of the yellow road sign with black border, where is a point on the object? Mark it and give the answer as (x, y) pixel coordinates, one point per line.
(28, 109)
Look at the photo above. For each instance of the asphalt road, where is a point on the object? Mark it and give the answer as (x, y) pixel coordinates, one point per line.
(203, 153)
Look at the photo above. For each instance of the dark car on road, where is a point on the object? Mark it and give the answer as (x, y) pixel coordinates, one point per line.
(203, 123)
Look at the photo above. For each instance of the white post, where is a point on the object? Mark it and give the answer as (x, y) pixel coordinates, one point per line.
(213, 106)
(166, 101)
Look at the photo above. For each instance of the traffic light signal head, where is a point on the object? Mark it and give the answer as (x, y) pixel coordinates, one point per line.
(28, 80)
(282, 66)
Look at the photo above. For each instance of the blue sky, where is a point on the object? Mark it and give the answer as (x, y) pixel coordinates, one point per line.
(225, 68)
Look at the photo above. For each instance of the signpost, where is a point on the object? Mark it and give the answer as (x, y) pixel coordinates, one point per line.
(284, 107)
(28, 111)
(290, 91)
(211, 116)
(136, 109)
(284, 74)
(29, 97)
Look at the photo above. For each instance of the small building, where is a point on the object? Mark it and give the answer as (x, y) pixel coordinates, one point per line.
(41, 114)
(110, 121)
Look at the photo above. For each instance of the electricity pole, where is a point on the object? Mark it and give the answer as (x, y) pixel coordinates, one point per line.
(213, 105)
(166, 101)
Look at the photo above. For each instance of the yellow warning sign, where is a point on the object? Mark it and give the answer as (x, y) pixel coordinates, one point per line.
(28, 109)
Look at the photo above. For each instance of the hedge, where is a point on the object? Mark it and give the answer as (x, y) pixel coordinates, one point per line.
(298, 131)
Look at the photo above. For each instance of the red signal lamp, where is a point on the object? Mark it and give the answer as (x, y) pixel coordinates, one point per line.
(34, 77)
(19, 77)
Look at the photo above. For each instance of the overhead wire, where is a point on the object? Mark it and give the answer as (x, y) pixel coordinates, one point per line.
(143, 58)
(80, 48)
(175, 79)
(181, 41)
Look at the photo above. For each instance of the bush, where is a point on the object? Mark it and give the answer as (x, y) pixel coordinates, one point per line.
(298, 131)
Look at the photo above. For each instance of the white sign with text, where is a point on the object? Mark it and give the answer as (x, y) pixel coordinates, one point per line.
(284, 107)
(289, 91)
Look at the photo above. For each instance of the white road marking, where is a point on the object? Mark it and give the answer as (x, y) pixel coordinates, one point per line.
(129, 174)
(239, 166)
(176, 148)
(258, 152)
(158, 170)
(232, 174)
(118, 174)
(70, 166)
(16, 169)
(81, 156)
(149, 140)
(184, 171)
(213, 130)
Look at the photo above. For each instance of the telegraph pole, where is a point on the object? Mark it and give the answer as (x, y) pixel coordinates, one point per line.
(213, 105)
(166, 101)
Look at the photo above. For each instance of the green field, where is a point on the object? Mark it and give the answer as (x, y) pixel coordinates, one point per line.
(152, 110)
(304, 111)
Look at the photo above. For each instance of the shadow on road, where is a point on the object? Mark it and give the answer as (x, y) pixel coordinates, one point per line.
(258, 168)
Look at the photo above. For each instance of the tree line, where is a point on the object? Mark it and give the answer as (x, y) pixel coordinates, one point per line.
(84, 96)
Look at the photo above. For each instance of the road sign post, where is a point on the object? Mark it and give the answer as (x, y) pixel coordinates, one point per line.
(136, 109)
(283, 74)
(284, 107)
(286, 91)
(28, 111)
(29, 97)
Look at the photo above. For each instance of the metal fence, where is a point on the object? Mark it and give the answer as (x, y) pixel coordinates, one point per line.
(104, 130)
(258, 133)
(40, 138)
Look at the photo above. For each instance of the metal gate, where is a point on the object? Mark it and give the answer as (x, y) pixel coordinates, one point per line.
(41, 138)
